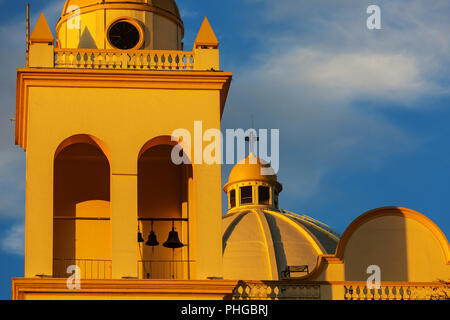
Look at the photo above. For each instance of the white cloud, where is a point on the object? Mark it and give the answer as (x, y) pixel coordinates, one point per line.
(319, 62)
(344, 76)
(14, 240)
(364, 73)
(414, 40)
(321, 131)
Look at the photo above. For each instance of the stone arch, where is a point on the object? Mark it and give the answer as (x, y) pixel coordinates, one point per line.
(405, 244)
(81, 207)
(400, 212)
(84, 138)
(165, 192)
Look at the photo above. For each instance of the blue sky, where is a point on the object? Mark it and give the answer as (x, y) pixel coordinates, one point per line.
(363, 115)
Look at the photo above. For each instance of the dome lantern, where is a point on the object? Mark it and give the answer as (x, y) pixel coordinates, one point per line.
(252, 182)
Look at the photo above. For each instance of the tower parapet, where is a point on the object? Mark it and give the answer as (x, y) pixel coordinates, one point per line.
(133, 35)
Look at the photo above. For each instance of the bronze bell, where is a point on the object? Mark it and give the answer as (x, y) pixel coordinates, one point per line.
(173, 242)
(139, 237)
(152, 241)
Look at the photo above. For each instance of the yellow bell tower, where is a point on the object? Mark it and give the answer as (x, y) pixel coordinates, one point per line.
(96, 109)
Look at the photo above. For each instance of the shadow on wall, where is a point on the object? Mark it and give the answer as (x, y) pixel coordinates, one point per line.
(380, 242)
(280, 254)
(81, 176)
(163, 193)
(230, 230)
(405, 244)
(86, 40)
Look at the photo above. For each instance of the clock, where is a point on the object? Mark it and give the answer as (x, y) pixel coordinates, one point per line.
(124, 35)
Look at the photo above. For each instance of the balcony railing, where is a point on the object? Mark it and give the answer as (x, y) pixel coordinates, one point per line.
(165, 269)
(126, 60)
(321, 290)
(102, 269)
(275, 290)
(401, 291)
(89, 268)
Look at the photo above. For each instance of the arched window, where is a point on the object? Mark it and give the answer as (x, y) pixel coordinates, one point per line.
(264, 195)
(81, 209)
(163, 202)
(232, 198)
(246, 195)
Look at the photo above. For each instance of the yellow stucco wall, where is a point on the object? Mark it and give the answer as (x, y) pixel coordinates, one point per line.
(403, 248)
(123, 119)
(406, 245)
(91, 30)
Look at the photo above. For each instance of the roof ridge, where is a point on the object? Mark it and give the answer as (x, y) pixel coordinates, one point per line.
(316, 222)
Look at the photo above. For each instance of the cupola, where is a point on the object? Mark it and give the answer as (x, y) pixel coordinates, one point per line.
(252, 182)
(121, 25)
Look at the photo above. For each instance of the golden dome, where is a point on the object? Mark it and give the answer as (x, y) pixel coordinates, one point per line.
(252, 168)
(85, 24)
(258, 244)
(168, 6)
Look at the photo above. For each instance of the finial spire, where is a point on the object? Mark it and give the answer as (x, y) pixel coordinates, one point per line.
(252, 138)
(28, 33)
(206, 36)
(41, 32)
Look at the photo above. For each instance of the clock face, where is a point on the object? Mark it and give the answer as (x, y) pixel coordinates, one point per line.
(123, 35)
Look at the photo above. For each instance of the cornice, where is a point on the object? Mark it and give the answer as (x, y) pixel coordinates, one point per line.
(125, 287)
(117, 79)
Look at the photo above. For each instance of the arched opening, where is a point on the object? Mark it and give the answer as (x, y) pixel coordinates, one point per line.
(81, 209)
(232, 199)
(264, 195)
(246, 195)
(164, 201)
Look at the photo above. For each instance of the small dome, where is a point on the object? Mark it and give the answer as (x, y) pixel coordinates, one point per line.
(258, 244)
(169, 6)
(120, 25)
(252, 168)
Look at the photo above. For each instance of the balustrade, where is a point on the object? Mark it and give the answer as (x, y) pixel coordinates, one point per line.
(126, 60)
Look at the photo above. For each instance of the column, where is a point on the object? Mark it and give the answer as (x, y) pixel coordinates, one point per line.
(39, 214)
(208, 221)
(124, 226)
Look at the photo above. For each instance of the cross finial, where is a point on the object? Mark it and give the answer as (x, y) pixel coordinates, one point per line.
(252, 137)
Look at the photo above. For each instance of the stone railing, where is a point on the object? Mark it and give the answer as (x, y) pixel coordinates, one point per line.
(398, 291)
(125, 60)
(272, 290)
(339, 290)
(89, 268)
(165, 269)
